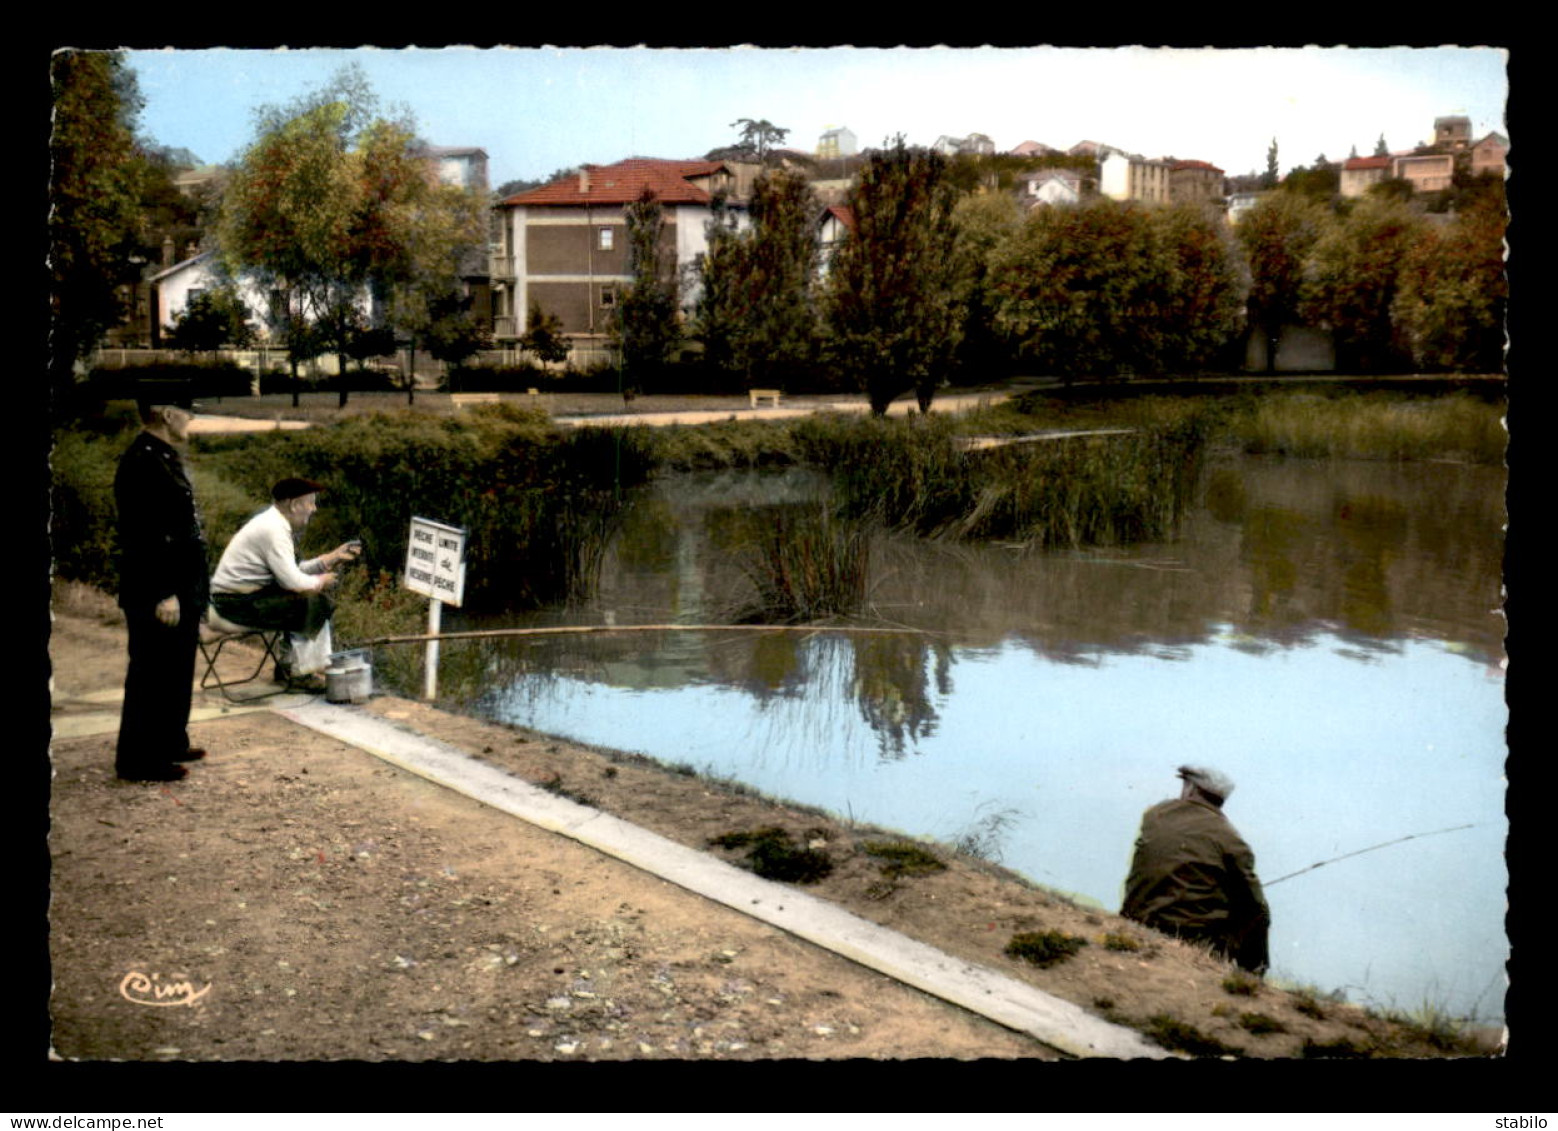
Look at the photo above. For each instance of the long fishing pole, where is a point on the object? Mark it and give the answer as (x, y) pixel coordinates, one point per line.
(584, 629)
(1361, 851)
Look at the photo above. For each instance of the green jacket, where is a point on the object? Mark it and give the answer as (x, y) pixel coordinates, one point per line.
(1193, 875)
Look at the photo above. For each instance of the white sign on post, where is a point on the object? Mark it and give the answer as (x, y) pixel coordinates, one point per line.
(435, 568)
(435, 561)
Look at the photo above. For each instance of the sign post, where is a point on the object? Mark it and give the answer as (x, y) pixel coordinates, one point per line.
(435, 567)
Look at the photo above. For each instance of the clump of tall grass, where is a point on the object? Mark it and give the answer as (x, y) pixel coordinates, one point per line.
(805, 563)
(1372, 426)
(912, 474)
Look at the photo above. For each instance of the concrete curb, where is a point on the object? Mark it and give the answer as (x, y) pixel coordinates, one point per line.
(1016, 1005)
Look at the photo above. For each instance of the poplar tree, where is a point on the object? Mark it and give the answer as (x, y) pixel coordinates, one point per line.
(646, 327)
(892, 302)
(756, 310)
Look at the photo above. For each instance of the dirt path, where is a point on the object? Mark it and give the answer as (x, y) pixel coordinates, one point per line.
(313, 902)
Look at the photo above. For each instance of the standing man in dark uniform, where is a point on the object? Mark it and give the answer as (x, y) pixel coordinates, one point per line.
(1193, 876)
(162, 588)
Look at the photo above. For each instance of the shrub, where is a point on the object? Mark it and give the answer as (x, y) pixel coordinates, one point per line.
(772, 854)
(1044, 949)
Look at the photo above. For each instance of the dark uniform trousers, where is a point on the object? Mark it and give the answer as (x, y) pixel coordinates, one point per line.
(162, 553)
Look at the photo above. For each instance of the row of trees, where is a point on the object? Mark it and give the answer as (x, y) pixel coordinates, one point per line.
(932, 279)
(332, 213)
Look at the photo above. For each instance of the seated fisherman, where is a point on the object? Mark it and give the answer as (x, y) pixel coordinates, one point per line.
(259, 582)
(1194, 876)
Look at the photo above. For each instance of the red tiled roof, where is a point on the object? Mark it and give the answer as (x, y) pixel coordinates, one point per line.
(1366, 163)
(844, 213)
(1178, 165)
(625, 182)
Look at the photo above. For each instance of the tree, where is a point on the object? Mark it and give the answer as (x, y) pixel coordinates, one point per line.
(210, 320)
(759, 137)
(544, 336)
(1110, 288)
(1272, 175)
(334, 207)
(984, 222)
(94, 187)
(1380, 148)
(1277, 235)
(756, 311)
(1452, 292)
(892, 297)
(645, 327)
(1351, 285)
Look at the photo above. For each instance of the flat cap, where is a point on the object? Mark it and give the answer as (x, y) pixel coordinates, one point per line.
(294, 488)
(1208, 780)
(153, 391)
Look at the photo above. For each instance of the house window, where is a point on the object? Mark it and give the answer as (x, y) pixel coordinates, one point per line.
(605, 238)
(608, 296)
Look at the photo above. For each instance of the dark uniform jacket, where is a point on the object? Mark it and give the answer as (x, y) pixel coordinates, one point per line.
(1194, 876)
(162, 550)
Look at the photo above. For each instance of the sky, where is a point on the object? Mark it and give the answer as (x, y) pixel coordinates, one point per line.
(538, 110)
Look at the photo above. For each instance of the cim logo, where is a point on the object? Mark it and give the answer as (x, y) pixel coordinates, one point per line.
(142, 990)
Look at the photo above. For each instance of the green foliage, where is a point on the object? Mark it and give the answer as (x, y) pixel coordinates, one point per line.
(903, 858)
(94, 191)
(544, 336)
(1352, 280)
(984, 221)
(892, 295)
(211, 320)
(1109, 288)
(805, 564)
(1120, 941)
(773, 854)
(1241, 984)
(1452, 292)
(645, 326)
(1372, 426)
(756, 311)
(1181, 1036)
(1278, 235)
(331, 203)
(1043, 948)
(912, 474)
(1261, 1024)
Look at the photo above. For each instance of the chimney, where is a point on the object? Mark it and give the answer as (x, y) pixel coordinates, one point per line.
(167, 251)
(584, 179)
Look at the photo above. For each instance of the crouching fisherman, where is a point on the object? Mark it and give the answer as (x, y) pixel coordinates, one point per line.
(1193, 875)
(259, 583)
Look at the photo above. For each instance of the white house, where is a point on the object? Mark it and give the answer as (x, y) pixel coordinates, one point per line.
(1050, 186)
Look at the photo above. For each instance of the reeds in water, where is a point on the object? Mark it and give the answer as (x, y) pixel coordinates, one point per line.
(1367, 426)
(806, 564)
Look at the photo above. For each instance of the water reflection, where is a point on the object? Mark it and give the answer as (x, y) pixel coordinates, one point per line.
(1326, 633)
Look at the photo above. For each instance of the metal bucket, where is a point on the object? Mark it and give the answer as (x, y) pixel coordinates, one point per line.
(349, 678)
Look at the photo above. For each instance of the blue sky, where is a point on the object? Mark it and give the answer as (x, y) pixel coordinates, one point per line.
(535, 110)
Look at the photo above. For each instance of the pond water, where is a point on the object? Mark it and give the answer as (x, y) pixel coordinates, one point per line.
(1326, 633)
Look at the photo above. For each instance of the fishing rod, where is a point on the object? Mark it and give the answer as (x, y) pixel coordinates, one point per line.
(1361, 851)
(583, 629)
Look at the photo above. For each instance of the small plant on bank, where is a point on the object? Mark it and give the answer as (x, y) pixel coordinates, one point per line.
(1120, 941)
(1181, 1036)
(1242, 984)
(772, 854)
(902, 858)
(1044, 948)
(554, 785)
(1342, 1048)
(1261, 1024)
(1305, 1002)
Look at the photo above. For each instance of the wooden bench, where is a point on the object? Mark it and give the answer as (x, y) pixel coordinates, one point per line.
(762, 397)
(465, 400)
